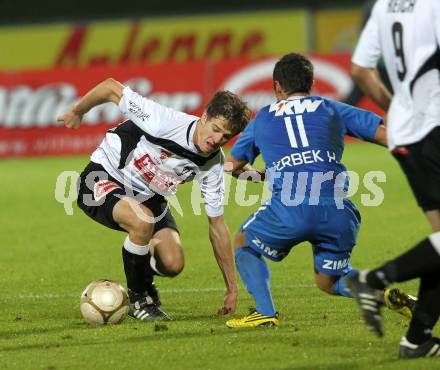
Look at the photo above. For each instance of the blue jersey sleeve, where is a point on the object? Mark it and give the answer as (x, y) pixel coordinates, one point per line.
(245, 147)
(358, 122)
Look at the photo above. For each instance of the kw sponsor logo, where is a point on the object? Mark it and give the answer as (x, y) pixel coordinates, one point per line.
(297, 106)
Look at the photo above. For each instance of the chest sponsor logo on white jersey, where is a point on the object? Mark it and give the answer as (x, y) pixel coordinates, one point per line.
(335, 265)
(155, 176)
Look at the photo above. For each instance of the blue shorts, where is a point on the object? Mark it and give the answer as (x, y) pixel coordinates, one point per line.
(274, 229)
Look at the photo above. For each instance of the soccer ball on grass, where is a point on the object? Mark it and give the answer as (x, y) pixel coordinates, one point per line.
(104, 302)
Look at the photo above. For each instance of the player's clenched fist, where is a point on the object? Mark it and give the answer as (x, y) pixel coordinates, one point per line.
(70, 119)
(230, 303)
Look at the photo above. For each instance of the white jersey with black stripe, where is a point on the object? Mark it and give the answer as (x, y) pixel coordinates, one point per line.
(153, 151)
(407, 34)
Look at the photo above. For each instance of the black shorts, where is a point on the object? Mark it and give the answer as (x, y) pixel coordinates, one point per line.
(421, 163)
(99, 195)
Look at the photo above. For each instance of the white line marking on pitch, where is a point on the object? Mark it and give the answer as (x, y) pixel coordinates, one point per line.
(169, 290)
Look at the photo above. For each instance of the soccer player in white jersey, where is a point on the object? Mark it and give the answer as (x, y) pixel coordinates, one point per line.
(142, 160)
(407, 34)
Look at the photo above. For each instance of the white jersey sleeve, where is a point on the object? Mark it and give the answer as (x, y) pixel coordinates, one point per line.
(368, 49)
(436, 19)
(212, 187)
(145, 113)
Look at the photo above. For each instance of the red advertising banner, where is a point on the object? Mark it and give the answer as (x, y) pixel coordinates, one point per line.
(30, 101)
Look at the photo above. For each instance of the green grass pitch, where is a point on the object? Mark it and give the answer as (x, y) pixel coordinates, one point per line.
(47, 258)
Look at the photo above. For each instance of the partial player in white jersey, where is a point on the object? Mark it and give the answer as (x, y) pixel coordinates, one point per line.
(144, 159)
(407, 34)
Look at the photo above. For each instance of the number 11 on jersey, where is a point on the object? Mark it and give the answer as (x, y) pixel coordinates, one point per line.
(291, 134)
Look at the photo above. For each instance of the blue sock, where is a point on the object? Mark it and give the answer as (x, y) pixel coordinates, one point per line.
(339, 286)
(254, 272)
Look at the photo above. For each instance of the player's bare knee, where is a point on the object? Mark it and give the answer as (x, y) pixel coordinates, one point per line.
(173, 268)
(325, 288)
(240, 240)
(325, 283)
(170, 262)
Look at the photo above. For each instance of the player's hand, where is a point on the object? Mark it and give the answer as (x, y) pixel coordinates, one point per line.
(230, 303)
(70, 119)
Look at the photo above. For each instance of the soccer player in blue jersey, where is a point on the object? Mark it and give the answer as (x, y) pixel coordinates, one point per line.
(301, 139)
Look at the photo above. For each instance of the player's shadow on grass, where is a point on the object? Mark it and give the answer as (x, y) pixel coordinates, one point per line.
(153, 336)
(11, 334)
(339, 365)
(200, 318)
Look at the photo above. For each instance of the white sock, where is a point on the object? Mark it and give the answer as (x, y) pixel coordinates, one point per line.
(406, 343)
(140, 250)
(434, 238)
(154, 266)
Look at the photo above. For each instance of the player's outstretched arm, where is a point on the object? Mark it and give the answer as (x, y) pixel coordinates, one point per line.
(237, 167)
(221, 242)
(370, 83)
(107, 91)
(380, 137)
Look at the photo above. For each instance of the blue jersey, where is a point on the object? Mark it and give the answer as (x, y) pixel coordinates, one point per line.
(302, 137)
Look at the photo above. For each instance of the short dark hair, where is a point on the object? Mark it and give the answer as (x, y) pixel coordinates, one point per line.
(229, 106)
(294, 72)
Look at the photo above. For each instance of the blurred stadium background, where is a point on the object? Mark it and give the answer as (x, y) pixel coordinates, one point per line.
(177, 52)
